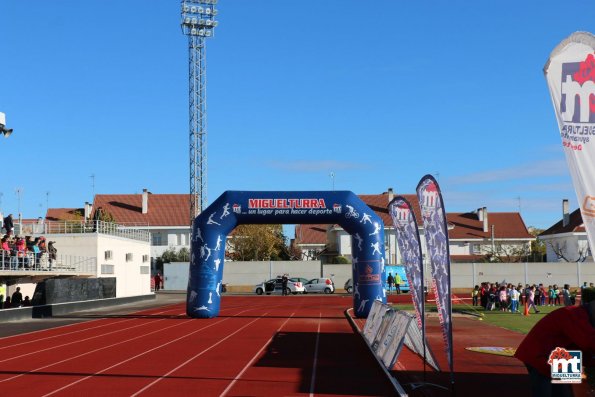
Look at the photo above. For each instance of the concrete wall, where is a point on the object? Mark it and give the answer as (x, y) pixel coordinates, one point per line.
(463, 275)
(466, 275)
(60, 309)
(242, 274)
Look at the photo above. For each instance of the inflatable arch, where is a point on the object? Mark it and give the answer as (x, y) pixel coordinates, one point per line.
(233, 208)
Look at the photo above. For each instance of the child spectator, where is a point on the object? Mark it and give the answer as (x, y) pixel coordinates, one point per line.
(503, 299)
(550, 294)
(514, 300)
(566, 295)
(556, 295)
(475, 295)
(531, 299)
(543, 294)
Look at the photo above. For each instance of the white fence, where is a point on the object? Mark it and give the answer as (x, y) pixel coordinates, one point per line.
(134, 231)
(29, 263)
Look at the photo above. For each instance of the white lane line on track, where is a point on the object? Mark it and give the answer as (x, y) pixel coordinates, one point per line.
(73, 332)
(101, 348)
(238, 376)
(86, 339)
(196, 356)
(78, 341)
(4, 338)
(145, 352)
(315, 364)
(86, 353)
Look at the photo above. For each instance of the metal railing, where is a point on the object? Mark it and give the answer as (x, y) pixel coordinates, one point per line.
(30, 262)
(133, 231)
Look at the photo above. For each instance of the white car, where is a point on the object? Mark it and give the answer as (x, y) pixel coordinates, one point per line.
(275, 286)
(348, 286)
(325, 285)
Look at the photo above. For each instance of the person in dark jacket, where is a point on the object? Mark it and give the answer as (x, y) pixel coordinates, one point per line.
(52, 252)
(17, 298)
(284, 281)
(9, 225)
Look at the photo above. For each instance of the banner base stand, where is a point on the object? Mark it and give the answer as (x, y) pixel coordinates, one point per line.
(417, 385)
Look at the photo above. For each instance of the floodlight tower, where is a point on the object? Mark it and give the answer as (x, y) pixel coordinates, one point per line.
(198, 23)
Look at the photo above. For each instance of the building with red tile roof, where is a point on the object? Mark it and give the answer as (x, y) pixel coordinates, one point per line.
(474, 236)
(566, 240)
(165, 216)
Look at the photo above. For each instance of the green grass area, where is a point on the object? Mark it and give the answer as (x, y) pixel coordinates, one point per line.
(512, 321)
(516, 321)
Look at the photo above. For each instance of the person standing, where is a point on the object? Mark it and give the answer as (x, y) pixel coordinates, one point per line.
(52, 253)
(483, 295)
(158, 281)
(398, 282)
(390, 280)
(531, 299)
(475, 295)
(566, 295)
(514, 300)
(284, 281)
(17, 298)
(9, 225)
(2, 295)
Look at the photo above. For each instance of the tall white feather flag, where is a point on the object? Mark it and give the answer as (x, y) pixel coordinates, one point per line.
(570, 75)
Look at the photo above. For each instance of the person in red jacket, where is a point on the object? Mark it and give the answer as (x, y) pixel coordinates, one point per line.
(158, 281)
(571, 328)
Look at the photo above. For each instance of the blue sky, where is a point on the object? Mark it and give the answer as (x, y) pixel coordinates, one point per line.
(379, 93)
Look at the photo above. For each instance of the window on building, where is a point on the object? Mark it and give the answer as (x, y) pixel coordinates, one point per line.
(145, 269)
(129, 257)
(157, 239)
(476, 249)
(145, 258)
(107, 269)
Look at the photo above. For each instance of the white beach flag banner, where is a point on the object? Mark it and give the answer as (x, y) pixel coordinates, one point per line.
(570, 75)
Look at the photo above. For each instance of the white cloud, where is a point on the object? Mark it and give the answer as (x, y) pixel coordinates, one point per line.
(537, 169)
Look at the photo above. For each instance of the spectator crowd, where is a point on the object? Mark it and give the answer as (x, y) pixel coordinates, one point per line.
(18, 252)
(16, 300)
(509, 297)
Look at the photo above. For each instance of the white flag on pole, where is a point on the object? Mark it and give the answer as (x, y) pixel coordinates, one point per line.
(570, 75)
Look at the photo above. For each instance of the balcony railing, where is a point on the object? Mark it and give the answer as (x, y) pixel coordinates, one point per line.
(133, 231)
(30, 263)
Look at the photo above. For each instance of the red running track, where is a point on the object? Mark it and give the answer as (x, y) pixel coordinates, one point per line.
(258, 346)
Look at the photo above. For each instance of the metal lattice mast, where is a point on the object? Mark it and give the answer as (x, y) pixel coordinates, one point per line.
(198, 23)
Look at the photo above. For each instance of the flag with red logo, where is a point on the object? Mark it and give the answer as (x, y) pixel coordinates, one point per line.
(408, 241)
(570, 75)
(436, 235)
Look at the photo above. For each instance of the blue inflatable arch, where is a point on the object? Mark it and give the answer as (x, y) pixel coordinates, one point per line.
(233, 208)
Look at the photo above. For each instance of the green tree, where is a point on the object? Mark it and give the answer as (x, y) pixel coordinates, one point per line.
(538, 247)
(257, 242)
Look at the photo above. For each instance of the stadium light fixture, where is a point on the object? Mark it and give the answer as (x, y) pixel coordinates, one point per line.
(198, 17)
